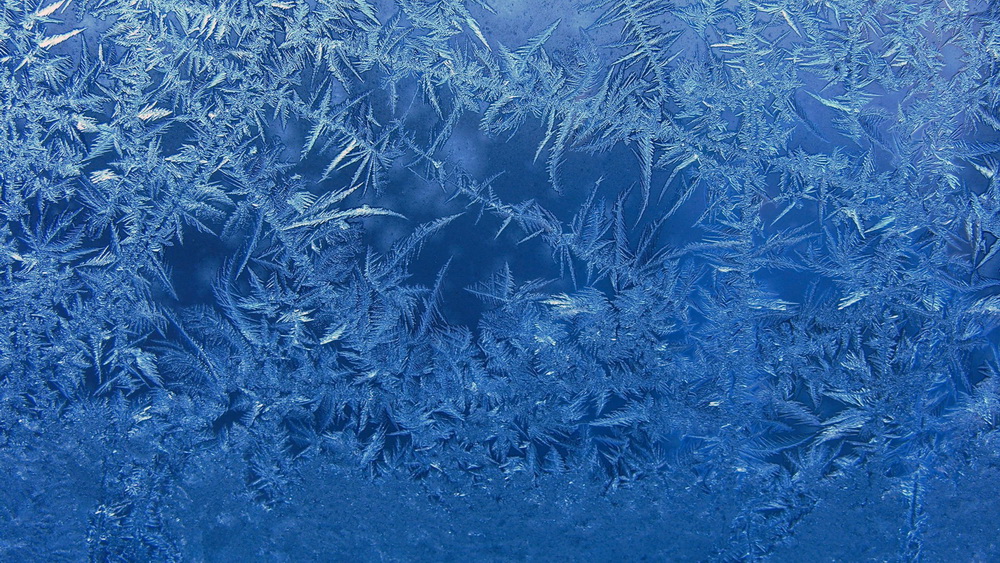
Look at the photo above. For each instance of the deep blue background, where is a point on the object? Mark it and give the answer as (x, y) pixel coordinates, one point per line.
(515, 338)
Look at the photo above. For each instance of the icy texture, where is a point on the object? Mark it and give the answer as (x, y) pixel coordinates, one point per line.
(730, 258)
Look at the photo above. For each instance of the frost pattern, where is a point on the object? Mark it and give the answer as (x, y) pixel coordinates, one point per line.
(764, 244)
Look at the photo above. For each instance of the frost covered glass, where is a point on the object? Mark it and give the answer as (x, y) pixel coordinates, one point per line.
(449, 280)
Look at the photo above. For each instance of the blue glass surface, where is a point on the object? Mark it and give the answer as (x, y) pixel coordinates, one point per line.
(449, 280)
